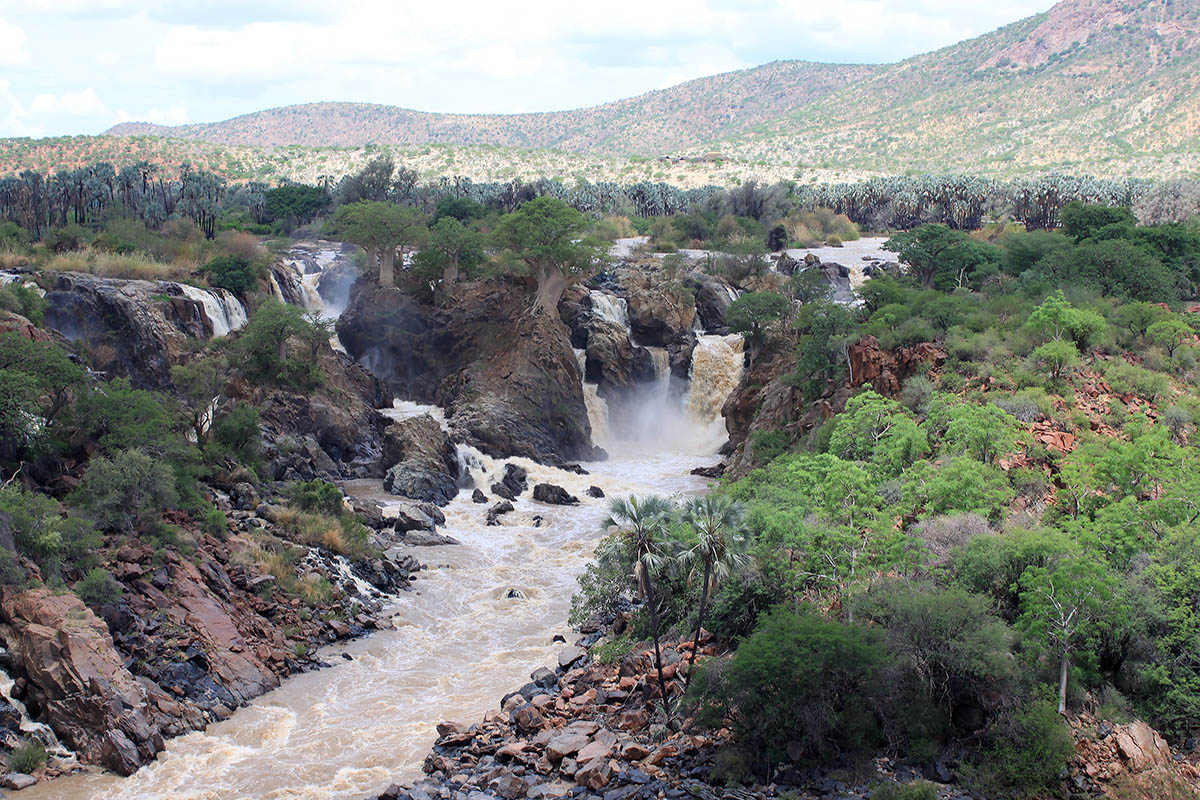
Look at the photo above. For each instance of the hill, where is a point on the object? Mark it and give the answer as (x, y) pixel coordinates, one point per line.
(686, 115)
(1107, 87)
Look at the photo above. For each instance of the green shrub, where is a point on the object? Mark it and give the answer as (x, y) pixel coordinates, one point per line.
(798, 680)
(23, 300)
(214, 522)
(127, 491)
(99, 587)
(236, 433)
(28, 757)
(236, 273)
(917, 790)
(613, 649)
(1126, 378)
(11, 573)
(317, 495)
(769, 444)
(1025, 755)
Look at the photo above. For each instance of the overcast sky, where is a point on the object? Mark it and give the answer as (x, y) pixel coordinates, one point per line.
(79, 66)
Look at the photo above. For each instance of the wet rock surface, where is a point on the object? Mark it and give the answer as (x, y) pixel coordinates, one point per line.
(507, 378)
(424, 462)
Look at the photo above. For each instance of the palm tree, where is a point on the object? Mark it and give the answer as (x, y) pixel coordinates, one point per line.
(642, 524)
(718, 523)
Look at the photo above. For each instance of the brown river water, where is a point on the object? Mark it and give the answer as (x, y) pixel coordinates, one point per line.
(461, 641)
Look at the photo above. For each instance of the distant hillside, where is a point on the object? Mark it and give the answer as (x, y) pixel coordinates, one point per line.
(683, 116)
(1108, 87)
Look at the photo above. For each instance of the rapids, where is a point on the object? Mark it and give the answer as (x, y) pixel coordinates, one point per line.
(480, 619)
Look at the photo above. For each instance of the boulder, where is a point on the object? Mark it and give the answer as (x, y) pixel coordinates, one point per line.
(713, 296)
(423, 538)
(478, 496)
(495, 512)
(411, 517)
(657, 310)
(424, 462)
(512, 484)
(554, 495)
(595, 491)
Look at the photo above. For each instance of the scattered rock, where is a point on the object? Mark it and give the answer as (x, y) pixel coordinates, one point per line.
(478, 496)
(554, 495)
(595, 491)
(495, 512)
(512, 484)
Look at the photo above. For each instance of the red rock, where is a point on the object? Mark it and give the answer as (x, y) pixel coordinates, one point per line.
(595, 774)
(566, 744)
(634, 751)
(593, 750)
(528, 719)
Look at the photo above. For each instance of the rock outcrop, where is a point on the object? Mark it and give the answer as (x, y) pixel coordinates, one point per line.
(507, 378)
(423, 461)
(132, 328)
(713, 296)
(657, 311)
(887, 371)
(554, 495)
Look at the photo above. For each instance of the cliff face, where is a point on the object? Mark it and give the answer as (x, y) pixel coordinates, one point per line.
(508, 380)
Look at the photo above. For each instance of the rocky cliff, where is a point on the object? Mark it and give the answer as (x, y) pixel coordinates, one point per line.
(508, 380)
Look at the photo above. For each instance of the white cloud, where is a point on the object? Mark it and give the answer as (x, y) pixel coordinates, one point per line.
(12, 44)
(76, 104)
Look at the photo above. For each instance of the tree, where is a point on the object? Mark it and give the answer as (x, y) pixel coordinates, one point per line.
(451, 248)
(875, 429)
(1138, 317)
(753, 311)
(238, 274)
(981, 431)
(718, 551)
(1058, 356)
(1170, 334)
(201, 383)
(295, 204)
(1062, 605)
(1084, 221)
(547, 235)
(263, 343)
(942, 258)
(641, 524)
(1057, 319)
(379, 228)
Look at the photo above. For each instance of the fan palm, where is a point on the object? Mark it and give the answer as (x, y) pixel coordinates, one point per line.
(642, 525)
(719, 550)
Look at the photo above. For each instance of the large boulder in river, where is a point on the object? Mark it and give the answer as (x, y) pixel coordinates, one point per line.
(424, 462)
(508, 378)
(512, 484)
(554, 495)
(615, 363)
(713, 296)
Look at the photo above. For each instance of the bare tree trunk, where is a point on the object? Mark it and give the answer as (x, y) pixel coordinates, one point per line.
(387, 264)
(551, 285)
(1062, 682)
(662, 683)
(699, 625)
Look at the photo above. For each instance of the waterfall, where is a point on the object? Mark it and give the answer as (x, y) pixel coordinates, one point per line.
(225, 312)
(34, 730)
(597, 406)
(717, 365)
(610, 308)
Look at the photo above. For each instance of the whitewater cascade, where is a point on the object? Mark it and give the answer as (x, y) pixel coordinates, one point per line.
(657, 418)
(224, 311)
(33, 730)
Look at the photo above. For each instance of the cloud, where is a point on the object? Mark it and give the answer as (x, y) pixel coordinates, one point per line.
(12, 44)
(76, 104)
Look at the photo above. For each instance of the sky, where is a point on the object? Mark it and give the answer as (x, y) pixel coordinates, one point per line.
(81, 66)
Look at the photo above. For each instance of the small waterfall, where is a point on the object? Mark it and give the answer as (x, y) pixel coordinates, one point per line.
(33, 730)
(225, 312)
(717, 365)
(8, 277)
(597, 406)
(340, 573)
(610, 308)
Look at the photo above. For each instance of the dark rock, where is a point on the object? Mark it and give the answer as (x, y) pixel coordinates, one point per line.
(715, 471)
(512, 484)
(424, 538)
(554, 495)
(575, 469)
(423, 461)
(413, 518)
(713, 296)
(495, 512)
(478, 496)
(595, 491)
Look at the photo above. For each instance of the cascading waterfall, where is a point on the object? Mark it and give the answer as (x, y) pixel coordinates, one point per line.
(225, 312)
(610, 308)
(33, 730)
(717, 365)
(597, 406)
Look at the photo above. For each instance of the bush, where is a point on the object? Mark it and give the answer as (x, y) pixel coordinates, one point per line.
(99, 587)
(214, 522)
(798, 680)
(1025, 755)
(916, 394)
(236, 273)
(1027, 405)
(236, 433)
(317, 495)
(127, 491)
(1126, 378)
(23, 300)
(28, 757)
